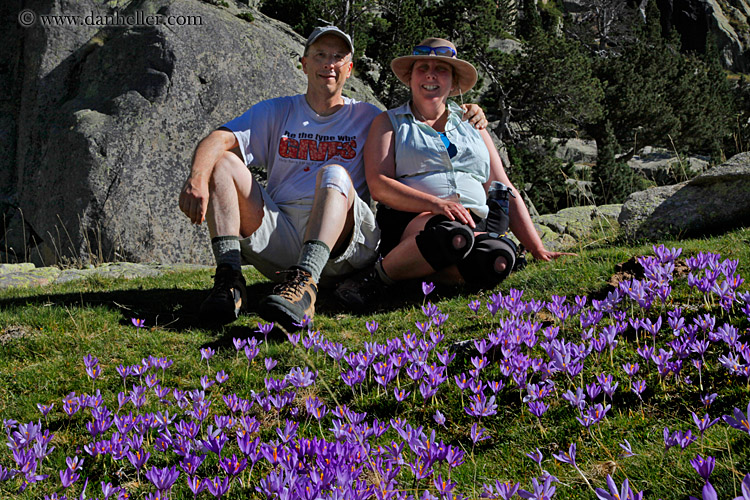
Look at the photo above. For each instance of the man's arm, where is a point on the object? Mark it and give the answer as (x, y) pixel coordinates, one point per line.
(194, 194)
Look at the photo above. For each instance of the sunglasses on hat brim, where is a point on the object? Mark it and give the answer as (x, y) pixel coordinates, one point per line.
(425, 50)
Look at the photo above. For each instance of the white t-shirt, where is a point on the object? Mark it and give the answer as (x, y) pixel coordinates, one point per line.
(293, 142)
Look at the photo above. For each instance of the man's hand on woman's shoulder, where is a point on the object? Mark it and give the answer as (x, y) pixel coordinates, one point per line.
(474, 114)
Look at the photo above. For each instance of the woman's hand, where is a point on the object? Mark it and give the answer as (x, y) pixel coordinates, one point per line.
(454, 211)
(547, 256)
(475, 115)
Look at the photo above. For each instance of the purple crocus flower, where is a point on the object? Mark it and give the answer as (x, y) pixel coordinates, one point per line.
(639, 387)
(108, 490)
(631, 368)
(543, 491)
(670, 439)
(45, 409)
(74, 463)
(703, 466)
(251, 351)
(745, 489)
(269, 363)
(68, 477)
(478, 435)
(703, 423)
(504, 490)
(124, 371)
(239, 344)
(739, 420)
(568, 457)
(439, 418)
(215, 442)
(190, 463)
(708, 493)
(233, 466)
(206, 382)
(197, 485)
(537, 408)
(138, 323)
(427, 288)
(265, 329)
(164, 478)
(578, 399)
(444, 487)
(462, 381)
(707, 399)
(207, 353)
(623, 493)
(301, 377)
(89, 361)
(536, 456)
(218, 486)
(372, 327)
(138, 457)
(627, 448)
(400, 393)
(6, 474)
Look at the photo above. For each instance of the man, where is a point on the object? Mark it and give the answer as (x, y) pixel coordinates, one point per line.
(312, 223)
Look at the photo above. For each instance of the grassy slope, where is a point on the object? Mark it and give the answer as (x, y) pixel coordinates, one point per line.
(60, 324)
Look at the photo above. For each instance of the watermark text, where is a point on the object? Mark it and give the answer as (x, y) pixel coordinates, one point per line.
(28, 18)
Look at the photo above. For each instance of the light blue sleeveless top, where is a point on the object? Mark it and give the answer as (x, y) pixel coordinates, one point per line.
(423, 161)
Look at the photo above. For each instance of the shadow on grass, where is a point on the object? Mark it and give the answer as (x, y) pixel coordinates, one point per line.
(171, 308)
(178, 309)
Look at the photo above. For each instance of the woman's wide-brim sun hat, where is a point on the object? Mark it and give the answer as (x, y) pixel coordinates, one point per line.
(465, 72)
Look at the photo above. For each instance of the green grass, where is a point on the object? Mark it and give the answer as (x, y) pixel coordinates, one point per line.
(46, 332)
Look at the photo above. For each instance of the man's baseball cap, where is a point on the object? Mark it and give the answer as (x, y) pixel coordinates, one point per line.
(329, 30)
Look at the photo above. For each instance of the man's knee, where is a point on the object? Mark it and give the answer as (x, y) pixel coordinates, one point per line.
(228, 164)
(335, 177)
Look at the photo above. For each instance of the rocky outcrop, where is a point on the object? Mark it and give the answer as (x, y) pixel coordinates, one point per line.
(663, 167)
(713, 202)
(28, 275)
(725, 20)
(565, 228)
(106, 120)
(576, 150)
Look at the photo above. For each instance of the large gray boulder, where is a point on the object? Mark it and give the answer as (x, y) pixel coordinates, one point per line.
(714, 201)
(106, 120)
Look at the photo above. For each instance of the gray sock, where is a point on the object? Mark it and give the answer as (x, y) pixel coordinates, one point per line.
(227, 251)
(314, 257)
(382, 275)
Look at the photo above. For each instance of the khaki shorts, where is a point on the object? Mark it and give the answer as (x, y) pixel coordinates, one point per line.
(276, 244)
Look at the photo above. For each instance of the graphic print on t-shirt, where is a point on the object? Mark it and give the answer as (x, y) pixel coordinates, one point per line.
(307, 147)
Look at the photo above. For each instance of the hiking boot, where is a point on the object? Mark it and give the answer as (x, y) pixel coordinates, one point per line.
(227, 299)
(361, 290)
(291, 300)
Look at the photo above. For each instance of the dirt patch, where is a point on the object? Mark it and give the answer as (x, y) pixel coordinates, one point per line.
(631, 269)
(14, 332)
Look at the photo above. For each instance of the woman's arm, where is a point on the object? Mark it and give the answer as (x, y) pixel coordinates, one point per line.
(520, 220)
(380, 170)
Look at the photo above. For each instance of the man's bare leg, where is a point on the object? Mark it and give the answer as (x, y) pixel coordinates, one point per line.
(328, 231)
(235, 210)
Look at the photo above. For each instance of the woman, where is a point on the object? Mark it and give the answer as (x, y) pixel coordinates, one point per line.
(430, 173)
